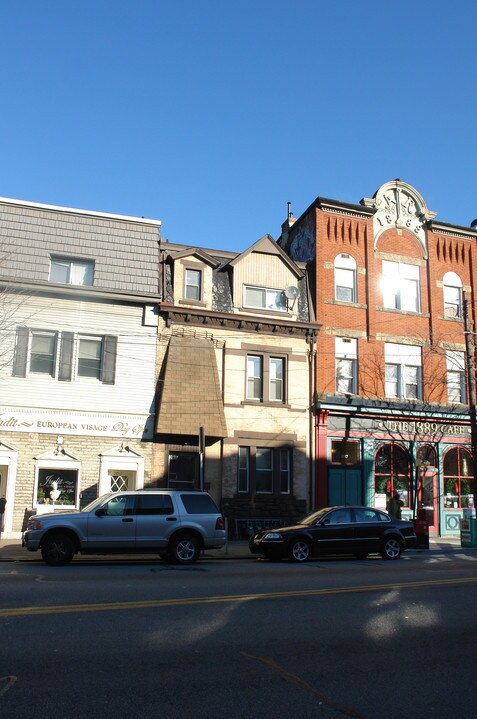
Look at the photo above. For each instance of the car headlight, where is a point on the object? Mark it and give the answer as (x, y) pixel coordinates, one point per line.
(273, 537)
(34, 524)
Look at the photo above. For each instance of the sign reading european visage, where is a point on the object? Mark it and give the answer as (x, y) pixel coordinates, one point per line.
(133, 426)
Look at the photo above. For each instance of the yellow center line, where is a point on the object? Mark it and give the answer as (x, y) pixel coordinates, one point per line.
(156, 603)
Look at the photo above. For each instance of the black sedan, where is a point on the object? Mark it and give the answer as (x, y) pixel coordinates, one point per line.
(337, 530)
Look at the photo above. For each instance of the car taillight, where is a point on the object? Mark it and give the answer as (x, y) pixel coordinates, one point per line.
(219, 524)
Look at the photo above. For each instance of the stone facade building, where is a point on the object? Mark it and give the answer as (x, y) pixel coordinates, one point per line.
(236, 338)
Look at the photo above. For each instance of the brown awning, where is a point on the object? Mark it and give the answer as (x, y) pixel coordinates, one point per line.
(190, 396)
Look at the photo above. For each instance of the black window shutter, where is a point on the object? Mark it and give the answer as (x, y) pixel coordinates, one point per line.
(66, 357)
(21, 352)
(109, 359)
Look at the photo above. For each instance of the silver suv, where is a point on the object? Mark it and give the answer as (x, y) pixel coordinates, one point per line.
(175, 524)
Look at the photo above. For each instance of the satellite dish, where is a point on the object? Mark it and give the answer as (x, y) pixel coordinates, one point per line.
(291, 293)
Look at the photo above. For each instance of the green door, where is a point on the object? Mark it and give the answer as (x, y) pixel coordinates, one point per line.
(344, 486)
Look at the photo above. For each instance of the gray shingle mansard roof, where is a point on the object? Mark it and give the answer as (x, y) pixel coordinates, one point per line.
(125, 250)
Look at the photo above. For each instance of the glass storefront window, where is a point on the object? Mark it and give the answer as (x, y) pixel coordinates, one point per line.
(458, 490)
(391, 474)
(57, 487)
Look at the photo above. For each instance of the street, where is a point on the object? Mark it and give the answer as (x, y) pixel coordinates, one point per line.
(243, 639)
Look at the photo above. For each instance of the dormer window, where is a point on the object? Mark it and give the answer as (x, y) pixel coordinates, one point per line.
(263, 298)
(71, 272)
(193, 285)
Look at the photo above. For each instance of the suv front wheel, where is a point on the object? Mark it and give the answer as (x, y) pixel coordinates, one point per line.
(57, 550)
(184, 549)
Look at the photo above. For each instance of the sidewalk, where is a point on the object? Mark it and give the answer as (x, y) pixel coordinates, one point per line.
(11, 550)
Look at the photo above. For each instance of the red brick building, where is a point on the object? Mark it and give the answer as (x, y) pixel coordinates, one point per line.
(391, 407)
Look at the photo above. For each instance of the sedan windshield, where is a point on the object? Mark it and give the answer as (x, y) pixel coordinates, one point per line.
(313, 517)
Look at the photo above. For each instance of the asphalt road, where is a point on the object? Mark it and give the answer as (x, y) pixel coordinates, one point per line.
(239, 639)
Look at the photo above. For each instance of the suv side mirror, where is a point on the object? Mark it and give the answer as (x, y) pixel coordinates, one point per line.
(101, 512)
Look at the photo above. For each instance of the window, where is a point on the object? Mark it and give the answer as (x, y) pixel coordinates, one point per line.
(43, 352)
(254, 377)
(243, 469)
(154, 504)
(345, 278)
(193, 284)
(403, 371)
(264, 470)
(58, 487)
(199, 504)
(346, 365)
(276, 379)
(285, 471)
(184, 469)
(264, 299)
(71, 272)
(119, 481)
(458, 478)
(265, 379)
(345, 451)
(456, 387)
(452, 295)
(64, 355)
(339, 516)
(391, 474)
(90, 353)
(400, 285)
(119, 506)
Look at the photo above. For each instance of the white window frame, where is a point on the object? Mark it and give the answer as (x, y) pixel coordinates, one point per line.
(73, 267)
(270, 384)
(452, 290)
(51, 334)
(345, 278)
(271, 299)
(118, 460)
(90, 338)
(252, 377)
(346, 360)
(57, 464)
(456, 383)
(276, 383)
(195, 285)
(400, 286)
(403, 363)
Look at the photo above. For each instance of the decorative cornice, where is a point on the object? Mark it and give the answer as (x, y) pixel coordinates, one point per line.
(460, 233)
(237, 322)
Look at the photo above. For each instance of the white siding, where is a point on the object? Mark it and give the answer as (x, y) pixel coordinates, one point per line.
(134, 386)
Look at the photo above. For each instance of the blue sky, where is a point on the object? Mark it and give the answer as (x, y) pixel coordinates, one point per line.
(211, 114)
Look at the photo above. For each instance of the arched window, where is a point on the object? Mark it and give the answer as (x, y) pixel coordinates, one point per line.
(457, 478)
(391, 472)
(345, 278)
(452, 295)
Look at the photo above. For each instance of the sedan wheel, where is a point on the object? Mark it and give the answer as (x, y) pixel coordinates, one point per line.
(391, 548)
(299, 550)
